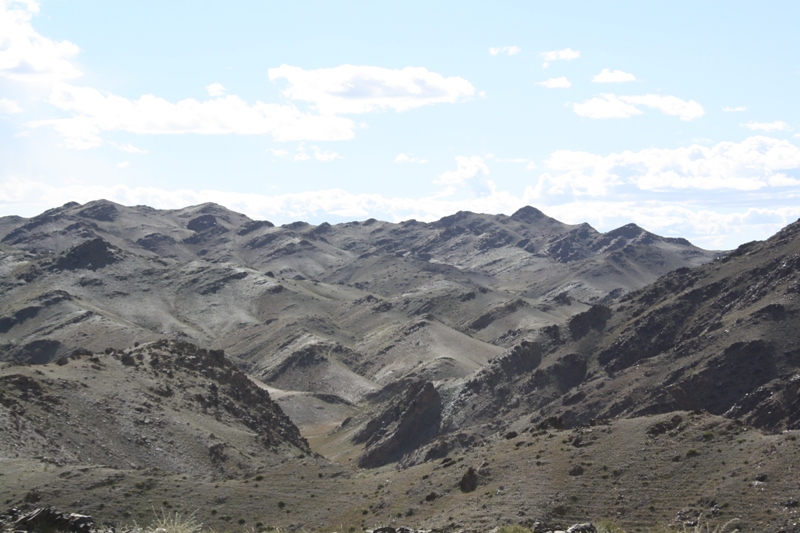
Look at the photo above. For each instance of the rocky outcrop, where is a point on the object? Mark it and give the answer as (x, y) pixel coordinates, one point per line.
(90, 255)
(593, 318)
(47, 519)
(412, 419)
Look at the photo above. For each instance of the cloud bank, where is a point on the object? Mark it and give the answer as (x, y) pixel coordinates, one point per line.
(352, 89)
(574, 187)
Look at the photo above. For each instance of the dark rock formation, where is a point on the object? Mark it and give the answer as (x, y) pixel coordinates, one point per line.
(90, 255)
(411, 420)
(469, 481)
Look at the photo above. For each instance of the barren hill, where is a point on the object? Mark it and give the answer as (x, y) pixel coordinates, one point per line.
(568, 374)
(339, 309)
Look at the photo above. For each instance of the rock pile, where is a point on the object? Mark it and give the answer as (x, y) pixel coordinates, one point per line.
(47, 519)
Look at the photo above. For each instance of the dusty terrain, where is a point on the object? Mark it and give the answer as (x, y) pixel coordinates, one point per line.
(475, 371)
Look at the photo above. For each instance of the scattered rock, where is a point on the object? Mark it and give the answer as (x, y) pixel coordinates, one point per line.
(469, 481)
(575, 470)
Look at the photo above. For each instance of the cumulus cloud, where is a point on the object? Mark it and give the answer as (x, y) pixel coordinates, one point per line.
(95, 111)
(729, 109)
(404, 158)
(508, 50)
(26, 56)
(753, 164)
(606, 106)
(613, 106)
(9, 107)
(613, 76)
(777, 125)
(556, 83)
(566, 54)
(352, 89)
(215, 89)
(467, 169)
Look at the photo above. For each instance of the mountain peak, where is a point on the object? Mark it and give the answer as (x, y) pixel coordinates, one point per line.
(528, 214)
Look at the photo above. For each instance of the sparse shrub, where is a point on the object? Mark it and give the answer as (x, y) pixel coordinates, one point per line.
(166, 522)
(281, 505)
(691, 452)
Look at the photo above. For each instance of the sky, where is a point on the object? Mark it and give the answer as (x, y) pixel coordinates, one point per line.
(678, 116)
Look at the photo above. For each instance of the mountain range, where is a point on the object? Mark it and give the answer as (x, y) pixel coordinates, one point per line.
(396, 349)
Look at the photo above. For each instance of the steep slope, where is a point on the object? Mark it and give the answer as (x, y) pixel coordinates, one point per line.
(721, 338)
(165, 405)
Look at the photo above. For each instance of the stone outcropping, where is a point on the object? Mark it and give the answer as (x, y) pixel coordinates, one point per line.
(412, 419)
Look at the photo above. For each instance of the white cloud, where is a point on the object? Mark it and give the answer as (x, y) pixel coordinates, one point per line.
(124, 164)
(362, 89)
(325, 155)
(215, 89)
(302, 155)
(556, 83)
(613, 76)
(606, 106)
(403, 158)
(559, 55)
(26, 56)
(281, 153)
(129, 148)
(753, 164)
(508, 50)
(729, 109)
(95, 111)
(613, 106)
(778, 125)
(9, 107)
(467, 169)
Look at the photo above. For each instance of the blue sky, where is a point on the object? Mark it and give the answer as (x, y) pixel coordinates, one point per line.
(678, 116)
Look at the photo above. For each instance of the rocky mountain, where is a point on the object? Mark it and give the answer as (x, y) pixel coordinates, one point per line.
(721, 338)
(339, 310)
(460, 374)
